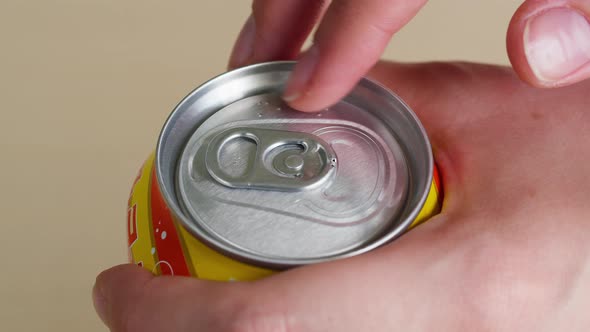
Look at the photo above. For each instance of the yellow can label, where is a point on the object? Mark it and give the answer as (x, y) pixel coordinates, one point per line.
(433, 202)
(160, 244)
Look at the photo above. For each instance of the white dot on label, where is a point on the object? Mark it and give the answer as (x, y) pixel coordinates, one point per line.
(163, 235)
(153, 250)
(157, 230)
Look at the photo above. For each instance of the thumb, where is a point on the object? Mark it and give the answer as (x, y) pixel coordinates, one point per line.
(548, 42)
(129, 298)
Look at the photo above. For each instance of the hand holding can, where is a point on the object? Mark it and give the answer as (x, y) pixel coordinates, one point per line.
(506, 253)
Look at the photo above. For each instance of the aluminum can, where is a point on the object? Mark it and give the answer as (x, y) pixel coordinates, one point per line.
(241, 186)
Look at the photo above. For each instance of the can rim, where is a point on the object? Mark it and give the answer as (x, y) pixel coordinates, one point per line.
(269, 262)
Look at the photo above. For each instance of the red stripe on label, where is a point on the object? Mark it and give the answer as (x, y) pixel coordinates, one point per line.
(438, 184)
(171, 257)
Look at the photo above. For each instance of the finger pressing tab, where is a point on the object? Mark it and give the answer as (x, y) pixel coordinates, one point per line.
(350, 39)
(549, 42)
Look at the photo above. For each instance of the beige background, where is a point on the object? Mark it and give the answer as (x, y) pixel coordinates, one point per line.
(85, 86)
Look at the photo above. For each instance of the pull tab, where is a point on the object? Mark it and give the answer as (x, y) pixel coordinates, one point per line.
(281, 161)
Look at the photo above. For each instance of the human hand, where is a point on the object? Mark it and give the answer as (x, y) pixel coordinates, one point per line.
(508, 252)
(548, 42)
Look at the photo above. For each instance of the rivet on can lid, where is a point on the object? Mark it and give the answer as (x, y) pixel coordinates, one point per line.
(294, 162)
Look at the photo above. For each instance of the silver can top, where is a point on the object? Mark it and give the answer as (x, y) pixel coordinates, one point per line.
(277, 187)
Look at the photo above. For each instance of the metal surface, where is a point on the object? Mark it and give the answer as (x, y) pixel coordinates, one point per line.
(364, 197)
(279, 160)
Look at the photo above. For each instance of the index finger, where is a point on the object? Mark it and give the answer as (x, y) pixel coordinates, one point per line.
(349, 41)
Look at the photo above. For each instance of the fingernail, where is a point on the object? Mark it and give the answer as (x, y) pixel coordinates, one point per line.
(557, 43)
(301, 75)
(100, 304)
(244, 46)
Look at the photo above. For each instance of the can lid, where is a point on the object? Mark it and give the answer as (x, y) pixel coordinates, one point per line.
(275, 187)
(273, 183)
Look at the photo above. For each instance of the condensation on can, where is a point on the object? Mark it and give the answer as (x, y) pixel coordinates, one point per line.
(159, 239)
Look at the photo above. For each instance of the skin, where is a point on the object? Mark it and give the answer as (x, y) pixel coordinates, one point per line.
(350, 38)
(509, 252)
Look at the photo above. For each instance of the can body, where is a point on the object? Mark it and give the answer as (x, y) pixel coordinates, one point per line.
(168, 240)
